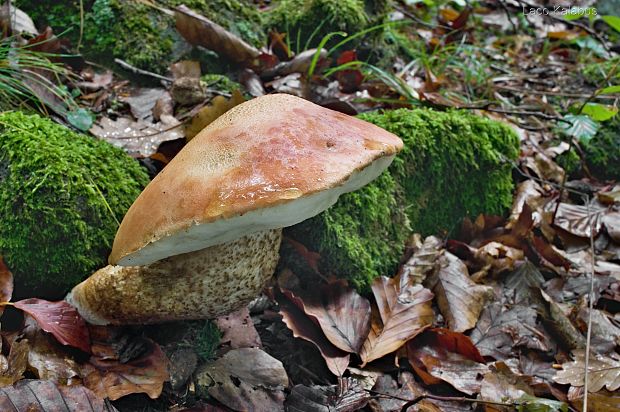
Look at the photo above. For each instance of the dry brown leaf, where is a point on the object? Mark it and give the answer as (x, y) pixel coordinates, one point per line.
(423, 261)
(342, 314)
(47, 359)
(601, 401)
(394, 321)
(304, 327)
(245, 379)
(427, 354)
(576, 220)
(502, 385)
(458, 297)
(109, 378)
(238, 330)
(208, 114)
(604, 371)
(6, 284)
(46, 396)
(185, 68)
(200, 31)
(16, 364)
(347, 396)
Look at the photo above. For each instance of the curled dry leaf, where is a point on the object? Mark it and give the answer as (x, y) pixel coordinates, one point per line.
(394, 321)
(200, 31)
(6, 284)
(304, 327)
(452, 363)
(423, 261)
(459, 298)
(245, 379)
(109, 378)
(342, 314)
(46, 396)
(604, 371)
(60, 319)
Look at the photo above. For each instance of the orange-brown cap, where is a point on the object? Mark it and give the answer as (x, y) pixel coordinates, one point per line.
(271, 162)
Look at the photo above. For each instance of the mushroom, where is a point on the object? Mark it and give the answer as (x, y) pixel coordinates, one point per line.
(203, 237)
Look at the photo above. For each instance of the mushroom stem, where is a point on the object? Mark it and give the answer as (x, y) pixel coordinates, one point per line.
(196, 285)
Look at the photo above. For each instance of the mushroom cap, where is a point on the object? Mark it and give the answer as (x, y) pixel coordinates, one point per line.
(268, 163)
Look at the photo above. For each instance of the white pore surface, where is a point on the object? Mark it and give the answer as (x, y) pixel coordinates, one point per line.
(285, 214)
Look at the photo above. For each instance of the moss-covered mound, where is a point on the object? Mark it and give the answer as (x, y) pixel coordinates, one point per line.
(453, 165)
(149, 37)
(601, 154)
(61, 197)
(308, 21)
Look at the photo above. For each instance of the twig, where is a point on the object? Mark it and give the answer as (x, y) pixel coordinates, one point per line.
(134, 69)
(590, 307)
(552, 93)
(422, 22)
(515, 112)
(505, 8)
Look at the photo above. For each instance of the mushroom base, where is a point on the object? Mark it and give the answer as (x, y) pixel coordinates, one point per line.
(196, 285)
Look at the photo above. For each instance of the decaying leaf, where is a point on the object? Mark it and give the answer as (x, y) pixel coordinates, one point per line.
(342, 314)
(110, 378)
(601, 401)
(304, 327)
(423, 261)
(604, 371)
(15, 365)
(60, 319)
(459, 298)
(238, 330)
(47, 360)
(46, 396)
(520, 283)
(347, 396)
(208, 114)
(500, 384)
(394, 321)
(139, 138)
(245, 379)
(6, 284)
(200, 31)
(579, 220)
(451, 364)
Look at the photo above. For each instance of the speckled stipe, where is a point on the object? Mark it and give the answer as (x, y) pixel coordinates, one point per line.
(196, 285)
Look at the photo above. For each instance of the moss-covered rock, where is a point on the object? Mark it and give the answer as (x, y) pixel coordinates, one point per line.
(149, 37)
(601, 154)
(453, 165)
(61, 197)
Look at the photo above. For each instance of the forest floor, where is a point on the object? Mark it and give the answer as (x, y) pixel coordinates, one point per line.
(515, 312)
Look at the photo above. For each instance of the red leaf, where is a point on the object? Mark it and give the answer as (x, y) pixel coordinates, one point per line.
(60, 319)
(458, 343)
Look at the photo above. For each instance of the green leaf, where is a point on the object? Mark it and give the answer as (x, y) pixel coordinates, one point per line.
(609, 90)
(533, 404)
(581, 127)
(599, 112)
(613, 21)
(81, 118)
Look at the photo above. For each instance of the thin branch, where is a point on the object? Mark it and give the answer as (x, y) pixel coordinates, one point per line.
(134, 69)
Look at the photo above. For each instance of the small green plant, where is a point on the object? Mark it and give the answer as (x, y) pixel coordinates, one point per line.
(207, 340)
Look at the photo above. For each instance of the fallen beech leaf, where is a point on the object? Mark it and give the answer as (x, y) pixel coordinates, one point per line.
(604, 371)
(528, 192)
(459, 298)
(501, 384)
(60, 319)
(611, 221)
(458, 343)
(519, 284)
(575, 219)
(559, 324)
(394, 322)
(238, 330)
(109, 378)
(219, 105)
(442, 363)
(47, 359)
(423, 261)
(200, 31)
(16, 363)
(304, 327)
(6, 284)
(603, 401)
(546, 251)
(348, 396)
(45, 396)
(342, 314)
(245, 379)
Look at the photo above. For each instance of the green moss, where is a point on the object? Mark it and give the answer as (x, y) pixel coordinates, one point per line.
(61, 196)
(207, 340)
(452, 166)
(595, 73)
(137, 33)
(602, 153)
(221, 82)
(314, 19)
